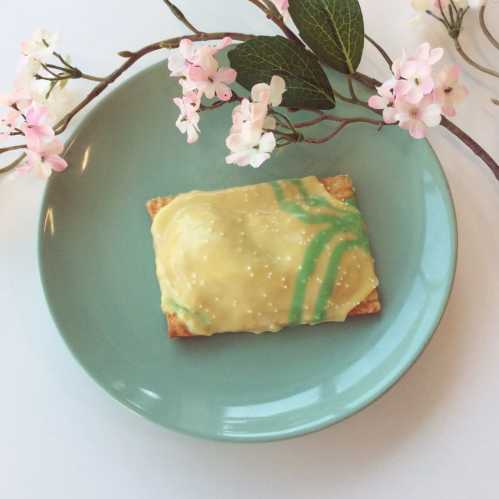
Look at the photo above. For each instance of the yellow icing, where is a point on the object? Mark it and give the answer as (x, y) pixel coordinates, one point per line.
(231, 260)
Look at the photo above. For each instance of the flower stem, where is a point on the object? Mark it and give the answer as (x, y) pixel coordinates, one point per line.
(485, 28)
(92, 78)
(14, 163)
(12, 148)
(181, 17)
(473, 63)
(278, 21)
(381, 50)
(473, 145)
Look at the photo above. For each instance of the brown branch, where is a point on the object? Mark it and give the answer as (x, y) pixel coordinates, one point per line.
(12, 165)
(485, 28)
(181, 17)
(473, 63)
(327, 138)
(278, 21)
(331, 117)
(12, 148)
(381, 50)
(132, 58)
(473, 145)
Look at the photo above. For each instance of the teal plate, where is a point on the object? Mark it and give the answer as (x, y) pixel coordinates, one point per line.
(97, 269)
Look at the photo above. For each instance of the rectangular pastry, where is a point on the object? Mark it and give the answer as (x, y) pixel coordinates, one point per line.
(262, 257)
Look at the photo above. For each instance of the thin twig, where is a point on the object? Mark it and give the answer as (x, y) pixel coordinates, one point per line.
(331, 117)
(485, 28)
(12, 148)
(381, 50)
(473, 63)
(327, 138)
(278, 21)
(181, 17)
(439, 19)
(92, 78)
(472, 144)
(14, 163)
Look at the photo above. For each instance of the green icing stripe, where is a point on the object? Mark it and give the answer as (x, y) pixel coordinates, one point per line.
(337, 221)
(308, 266)
(329, 280)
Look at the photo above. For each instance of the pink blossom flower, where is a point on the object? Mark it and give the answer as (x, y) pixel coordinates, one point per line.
(46, 159)
(188, 54)
(449, 91)
(188, 120)
(214, 83)
(250, 147)
(282, 7)
(416, 73)
(249, 141)
(199, 70)
(180, 59)
(416, 118)
(36, 128)
(385, 100)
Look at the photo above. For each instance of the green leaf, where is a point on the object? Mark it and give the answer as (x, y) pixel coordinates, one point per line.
(333, 29)
(257, 60)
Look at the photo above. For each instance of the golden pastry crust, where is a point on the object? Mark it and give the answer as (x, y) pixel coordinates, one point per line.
(341, 188)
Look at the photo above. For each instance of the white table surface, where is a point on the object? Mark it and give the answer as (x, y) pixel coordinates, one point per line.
(435, 435)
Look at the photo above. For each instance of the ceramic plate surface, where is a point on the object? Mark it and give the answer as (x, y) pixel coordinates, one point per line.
(97, 269)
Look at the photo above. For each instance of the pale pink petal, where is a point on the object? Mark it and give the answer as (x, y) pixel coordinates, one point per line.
(267, 142)
(57, 163)
(449, 110)
(197, 73)
(377, 102)
(435, 55)
(277, 89)
(192, 135)
(187, 49)
(432, 115)
(402, 87)
(33, 139)
(414, 96)
(225, 75)
(390, 115)
(235, 142)
(258, 158)
(225, 42)
(423, 51)
(417, 129)
(460, 93)
(260, 93)
(241, 158)
(223, 92)
(53, 148)
(409, 69)
(427, 85)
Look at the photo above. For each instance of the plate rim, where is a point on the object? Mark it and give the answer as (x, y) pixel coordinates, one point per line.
(309, 428)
